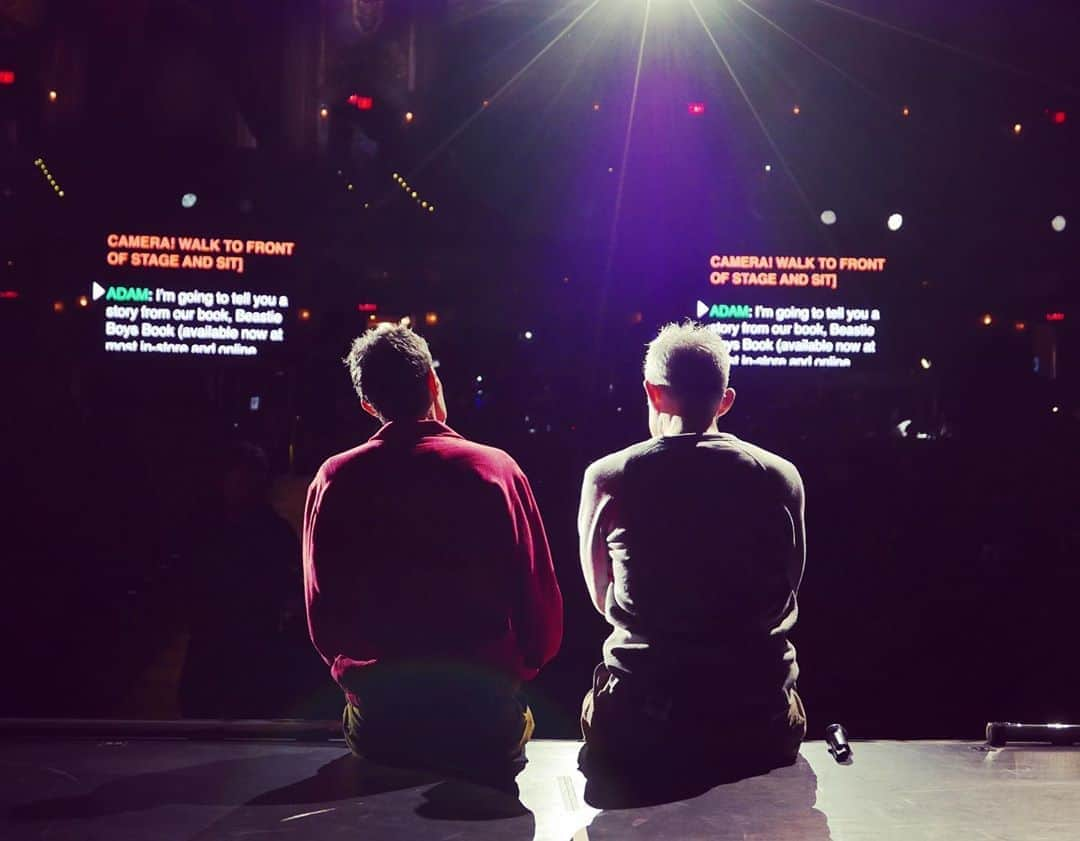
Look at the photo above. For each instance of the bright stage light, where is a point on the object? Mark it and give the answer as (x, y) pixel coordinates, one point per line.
(768, 167)
(528, 335)
(896, 222)
(906, 112)
(796, 110)
(1017, 128)
(1058, 223)
(188, 200)
(696, 109)
(52, 96)
(324, 112)
(987, 319)
(828, 217)
(925, 364)
(409, 116)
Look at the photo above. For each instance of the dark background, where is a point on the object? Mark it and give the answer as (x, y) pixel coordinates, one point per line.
(941, 578)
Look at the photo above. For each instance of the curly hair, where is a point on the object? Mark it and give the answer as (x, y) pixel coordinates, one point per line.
(389, 367)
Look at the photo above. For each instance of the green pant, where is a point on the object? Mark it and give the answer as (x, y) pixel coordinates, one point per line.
(457, 722)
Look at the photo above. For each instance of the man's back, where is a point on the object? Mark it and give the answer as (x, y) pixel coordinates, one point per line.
(420, 545)
(706, 541)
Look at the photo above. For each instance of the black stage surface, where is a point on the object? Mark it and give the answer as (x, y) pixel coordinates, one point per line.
(116, 789)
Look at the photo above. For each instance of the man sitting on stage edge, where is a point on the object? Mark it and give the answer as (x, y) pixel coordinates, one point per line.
(693, 547)
(430, 587)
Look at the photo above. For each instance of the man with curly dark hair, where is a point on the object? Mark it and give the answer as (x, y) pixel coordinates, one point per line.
(430, 589)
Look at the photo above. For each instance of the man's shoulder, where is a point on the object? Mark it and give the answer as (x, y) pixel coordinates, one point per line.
(344, 462)
(482, 458)
(767, 460)
(611, 466)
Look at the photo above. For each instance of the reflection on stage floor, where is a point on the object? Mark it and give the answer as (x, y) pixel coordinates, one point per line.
(207, 790)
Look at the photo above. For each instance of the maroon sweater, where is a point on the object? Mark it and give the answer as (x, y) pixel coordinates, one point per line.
(420, 545)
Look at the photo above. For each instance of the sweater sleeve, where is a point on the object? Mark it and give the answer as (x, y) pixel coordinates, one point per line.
(329, 577)
(593, 514)
(538, 613)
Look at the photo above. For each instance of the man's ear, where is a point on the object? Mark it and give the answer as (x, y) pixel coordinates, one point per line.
(438, 399)
(659, 397)
(726, 402)
(367, 407)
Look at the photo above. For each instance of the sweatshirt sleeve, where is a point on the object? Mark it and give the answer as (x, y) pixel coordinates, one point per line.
(329, 576)
(538, 613)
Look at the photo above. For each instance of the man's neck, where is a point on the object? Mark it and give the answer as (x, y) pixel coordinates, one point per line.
(678, 425)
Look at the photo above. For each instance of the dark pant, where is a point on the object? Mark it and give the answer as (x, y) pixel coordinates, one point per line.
(660, 730)
(459, 723)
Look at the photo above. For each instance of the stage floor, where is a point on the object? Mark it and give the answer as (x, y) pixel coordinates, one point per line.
(164, 790)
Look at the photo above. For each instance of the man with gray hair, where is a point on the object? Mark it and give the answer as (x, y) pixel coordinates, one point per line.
(692, 545)
(430, 589)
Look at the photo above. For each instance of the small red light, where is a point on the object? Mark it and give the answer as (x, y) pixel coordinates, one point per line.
(304, 315)
(1055, 316)
(8, 294)
(1059, 117)
(361, 103)
(696, 108)
(7, 77)
(367, 307)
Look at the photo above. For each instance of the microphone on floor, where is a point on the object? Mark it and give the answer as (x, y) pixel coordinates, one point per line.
(836, 738)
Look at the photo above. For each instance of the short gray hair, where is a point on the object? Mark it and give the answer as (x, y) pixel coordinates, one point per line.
(692, 361)
(389, 367)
